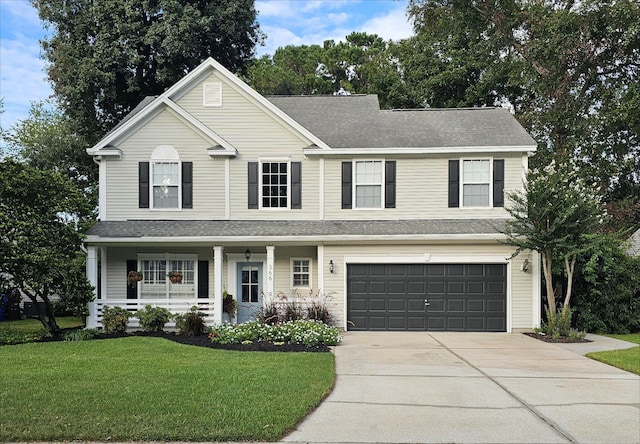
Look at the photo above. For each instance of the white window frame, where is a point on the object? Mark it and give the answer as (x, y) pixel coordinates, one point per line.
(263, 161)
(463, 183)
(293, 272)
(167, 285)
(164, 154)
(355, 184)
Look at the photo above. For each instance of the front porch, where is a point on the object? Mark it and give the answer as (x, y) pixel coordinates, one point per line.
(253, 274)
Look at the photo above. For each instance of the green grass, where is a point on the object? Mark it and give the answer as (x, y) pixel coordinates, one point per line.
(152, 389)
(34, 325)
(628, 359)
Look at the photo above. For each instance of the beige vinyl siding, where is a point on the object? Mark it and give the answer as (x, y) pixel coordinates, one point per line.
(520, 297)
(122, 175)
(421, 190)
(256, 134)
(117, 257)
(241, 120)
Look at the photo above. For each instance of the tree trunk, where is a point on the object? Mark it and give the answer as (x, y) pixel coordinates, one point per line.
(570, 266)
(548, 279)
(46, 315)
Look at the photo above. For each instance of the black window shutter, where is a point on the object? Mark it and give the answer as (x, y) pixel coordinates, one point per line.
(132, 289)
(498, 183)
(143, 185)
(296, 185)
(203, 279)
(253, 185)
(454, 183)
(390, 184)
(187, 184)
(346, 185)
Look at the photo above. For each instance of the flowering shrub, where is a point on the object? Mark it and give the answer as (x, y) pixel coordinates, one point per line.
(309, 333)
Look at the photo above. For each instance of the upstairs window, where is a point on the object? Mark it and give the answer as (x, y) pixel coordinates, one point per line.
(275, 184)
(368, 184)
(166, 185)
(476, 183)
(165, 182)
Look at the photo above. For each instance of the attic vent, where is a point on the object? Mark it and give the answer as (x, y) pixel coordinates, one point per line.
(212, 94)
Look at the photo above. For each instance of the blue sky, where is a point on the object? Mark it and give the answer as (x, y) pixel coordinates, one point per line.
(286, 22)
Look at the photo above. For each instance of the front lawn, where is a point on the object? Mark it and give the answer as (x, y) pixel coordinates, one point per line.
(152, 389)
(31, 325)
(628, 359)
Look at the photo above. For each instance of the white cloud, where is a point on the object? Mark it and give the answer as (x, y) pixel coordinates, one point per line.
(391, 26)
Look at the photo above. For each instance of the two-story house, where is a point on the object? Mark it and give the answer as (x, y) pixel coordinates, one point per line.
(396, 214)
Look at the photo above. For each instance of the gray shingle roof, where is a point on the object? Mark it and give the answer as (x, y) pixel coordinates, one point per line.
(290, 228)
(356, 121)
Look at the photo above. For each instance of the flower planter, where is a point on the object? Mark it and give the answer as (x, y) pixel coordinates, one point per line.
(175, 277)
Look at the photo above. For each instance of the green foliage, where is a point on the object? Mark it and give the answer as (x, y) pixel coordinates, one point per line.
(80, 335)
(10, 336)
(41, 237)
(47, 140)
(105, 57)
(558, 324)
(153, 318)
(191, 323)
(115, 320)
(607, 290)
(554, 215)
(309, 333)
(568, 69)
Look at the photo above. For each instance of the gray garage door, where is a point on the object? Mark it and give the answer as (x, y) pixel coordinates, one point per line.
(433, 297)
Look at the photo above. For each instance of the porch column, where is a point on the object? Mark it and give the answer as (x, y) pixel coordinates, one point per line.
(92, 276)
(217, 284)
(269, 288)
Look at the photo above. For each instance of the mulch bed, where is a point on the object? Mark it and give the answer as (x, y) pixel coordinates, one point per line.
(205, 341)
(560, 340)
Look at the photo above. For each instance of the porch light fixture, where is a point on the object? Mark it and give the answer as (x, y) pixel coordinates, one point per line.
(331, 267)
(247, 254)
(525, 265)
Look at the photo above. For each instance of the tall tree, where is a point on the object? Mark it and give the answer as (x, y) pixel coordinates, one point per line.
(555, 215)
(46, 141)
(106, 56)
(40, 238)
(569, 69)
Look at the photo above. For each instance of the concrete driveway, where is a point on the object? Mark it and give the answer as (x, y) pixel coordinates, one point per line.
(401, 387)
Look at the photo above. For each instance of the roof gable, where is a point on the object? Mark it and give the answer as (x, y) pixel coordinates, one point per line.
(166, 100)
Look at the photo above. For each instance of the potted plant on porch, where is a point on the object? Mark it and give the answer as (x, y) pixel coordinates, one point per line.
(134, 276)
(175, 277)
(229, 305)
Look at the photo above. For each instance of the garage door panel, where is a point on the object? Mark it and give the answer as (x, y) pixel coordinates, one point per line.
(455, 305)
(378, 304)
(397, 304)
(475, 288)
(397, 323)
(396, 287)
(461, 297)
(476, 306)
(436, 287)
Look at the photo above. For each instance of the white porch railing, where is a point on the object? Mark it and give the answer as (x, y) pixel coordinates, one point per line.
(94, 320)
